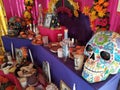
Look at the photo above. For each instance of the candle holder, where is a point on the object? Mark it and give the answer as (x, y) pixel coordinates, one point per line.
(65, 51)
(65, 33)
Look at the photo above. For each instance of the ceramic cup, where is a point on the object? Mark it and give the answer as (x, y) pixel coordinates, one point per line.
(45, 40)
(60, 52)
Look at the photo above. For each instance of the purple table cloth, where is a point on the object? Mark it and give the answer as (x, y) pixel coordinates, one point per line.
(61, 70)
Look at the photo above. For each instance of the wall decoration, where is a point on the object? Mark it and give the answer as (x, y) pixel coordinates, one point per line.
(68, 6)
(47, 20)
(21, 54)
(46, 70)
(63, 86)
(27, 15)
(18, 54)
(98, 15)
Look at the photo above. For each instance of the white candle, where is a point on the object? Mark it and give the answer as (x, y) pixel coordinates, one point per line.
(74, 86)
(30, 26)
(73, 40)
(65, 33)
(34, 27)
(12, 49)
(31, 57)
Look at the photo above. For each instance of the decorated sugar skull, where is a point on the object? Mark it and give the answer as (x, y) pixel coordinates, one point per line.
(103, 51)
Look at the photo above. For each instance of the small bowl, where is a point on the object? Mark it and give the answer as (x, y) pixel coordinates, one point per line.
(6, 66)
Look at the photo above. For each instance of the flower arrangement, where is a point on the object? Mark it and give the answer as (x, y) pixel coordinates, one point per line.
(27, 15)
(5, 84)
(98, 15)
(71, 9)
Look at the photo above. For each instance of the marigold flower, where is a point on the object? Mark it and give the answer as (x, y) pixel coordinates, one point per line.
(76, 13)
(101, 14)
(5, 80)
(105, 4)
(98, 8)
(86, 10)
(100, 1)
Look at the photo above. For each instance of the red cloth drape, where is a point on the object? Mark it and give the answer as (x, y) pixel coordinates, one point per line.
(16, 8)
(114, 16)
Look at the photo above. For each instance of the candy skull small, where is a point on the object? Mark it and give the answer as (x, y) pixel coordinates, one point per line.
(103, 51)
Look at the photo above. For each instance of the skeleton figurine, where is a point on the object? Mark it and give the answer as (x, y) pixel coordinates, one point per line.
(103, 51)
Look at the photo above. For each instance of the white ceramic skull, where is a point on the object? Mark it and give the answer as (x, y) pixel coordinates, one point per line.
(103, 51)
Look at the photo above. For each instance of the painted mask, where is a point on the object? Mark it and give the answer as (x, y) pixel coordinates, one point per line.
(103, 51)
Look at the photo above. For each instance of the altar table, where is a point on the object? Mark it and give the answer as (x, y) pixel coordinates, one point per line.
(51, 33)
(61, 70)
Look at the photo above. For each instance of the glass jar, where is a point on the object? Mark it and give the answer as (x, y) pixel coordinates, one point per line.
(59, 38)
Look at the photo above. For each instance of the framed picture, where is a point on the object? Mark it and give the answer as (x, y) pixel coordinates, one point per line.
(63, 86)
(18, 54)
(46, 71)
(48, 19)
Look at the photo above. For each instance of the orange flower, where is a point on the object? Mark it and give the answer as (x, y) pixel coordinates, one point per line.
(105, 4)
(76, 13)
(98, 8)
(100, 1)
(101, 14)
(5, 80)
(11, 87)
(1, 78)
(86, 10)
(103, 29)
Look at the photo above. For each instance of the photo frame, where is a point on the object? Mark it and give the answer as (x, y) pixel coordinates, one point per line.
(18, 54)
(48, 19)
(46, 71)
(64, 86)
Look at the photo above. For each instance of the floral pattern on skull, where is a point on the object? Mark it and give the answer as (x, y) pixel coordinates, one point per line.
(103, 51)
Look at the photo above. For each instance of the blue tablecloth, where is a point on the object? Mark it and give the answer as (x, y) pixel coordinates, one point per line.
(61, 70)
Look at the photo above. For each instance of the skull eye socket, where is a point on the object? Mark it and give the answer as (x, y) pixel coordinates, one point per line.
(105, 55)
(89, 48)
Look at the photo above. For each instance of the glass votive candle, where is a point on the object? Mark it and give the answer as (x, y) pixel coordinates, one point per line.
(60, 52)
(78, 61)
(59, 38)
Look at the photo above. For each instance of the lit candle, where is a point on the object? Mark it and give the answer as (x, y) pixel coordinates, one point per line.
(12, 49)
(74, 86)
(31, 57)
(65, 33)
(73, 40)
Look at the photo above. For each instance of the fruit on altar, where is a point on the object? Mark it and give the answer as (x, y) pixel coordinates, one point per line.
(11, 87)
(37, 40)
(30, 88)
(6, 67)
(26, 70)
(12, 70)
(30, 34)
(23, 34)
